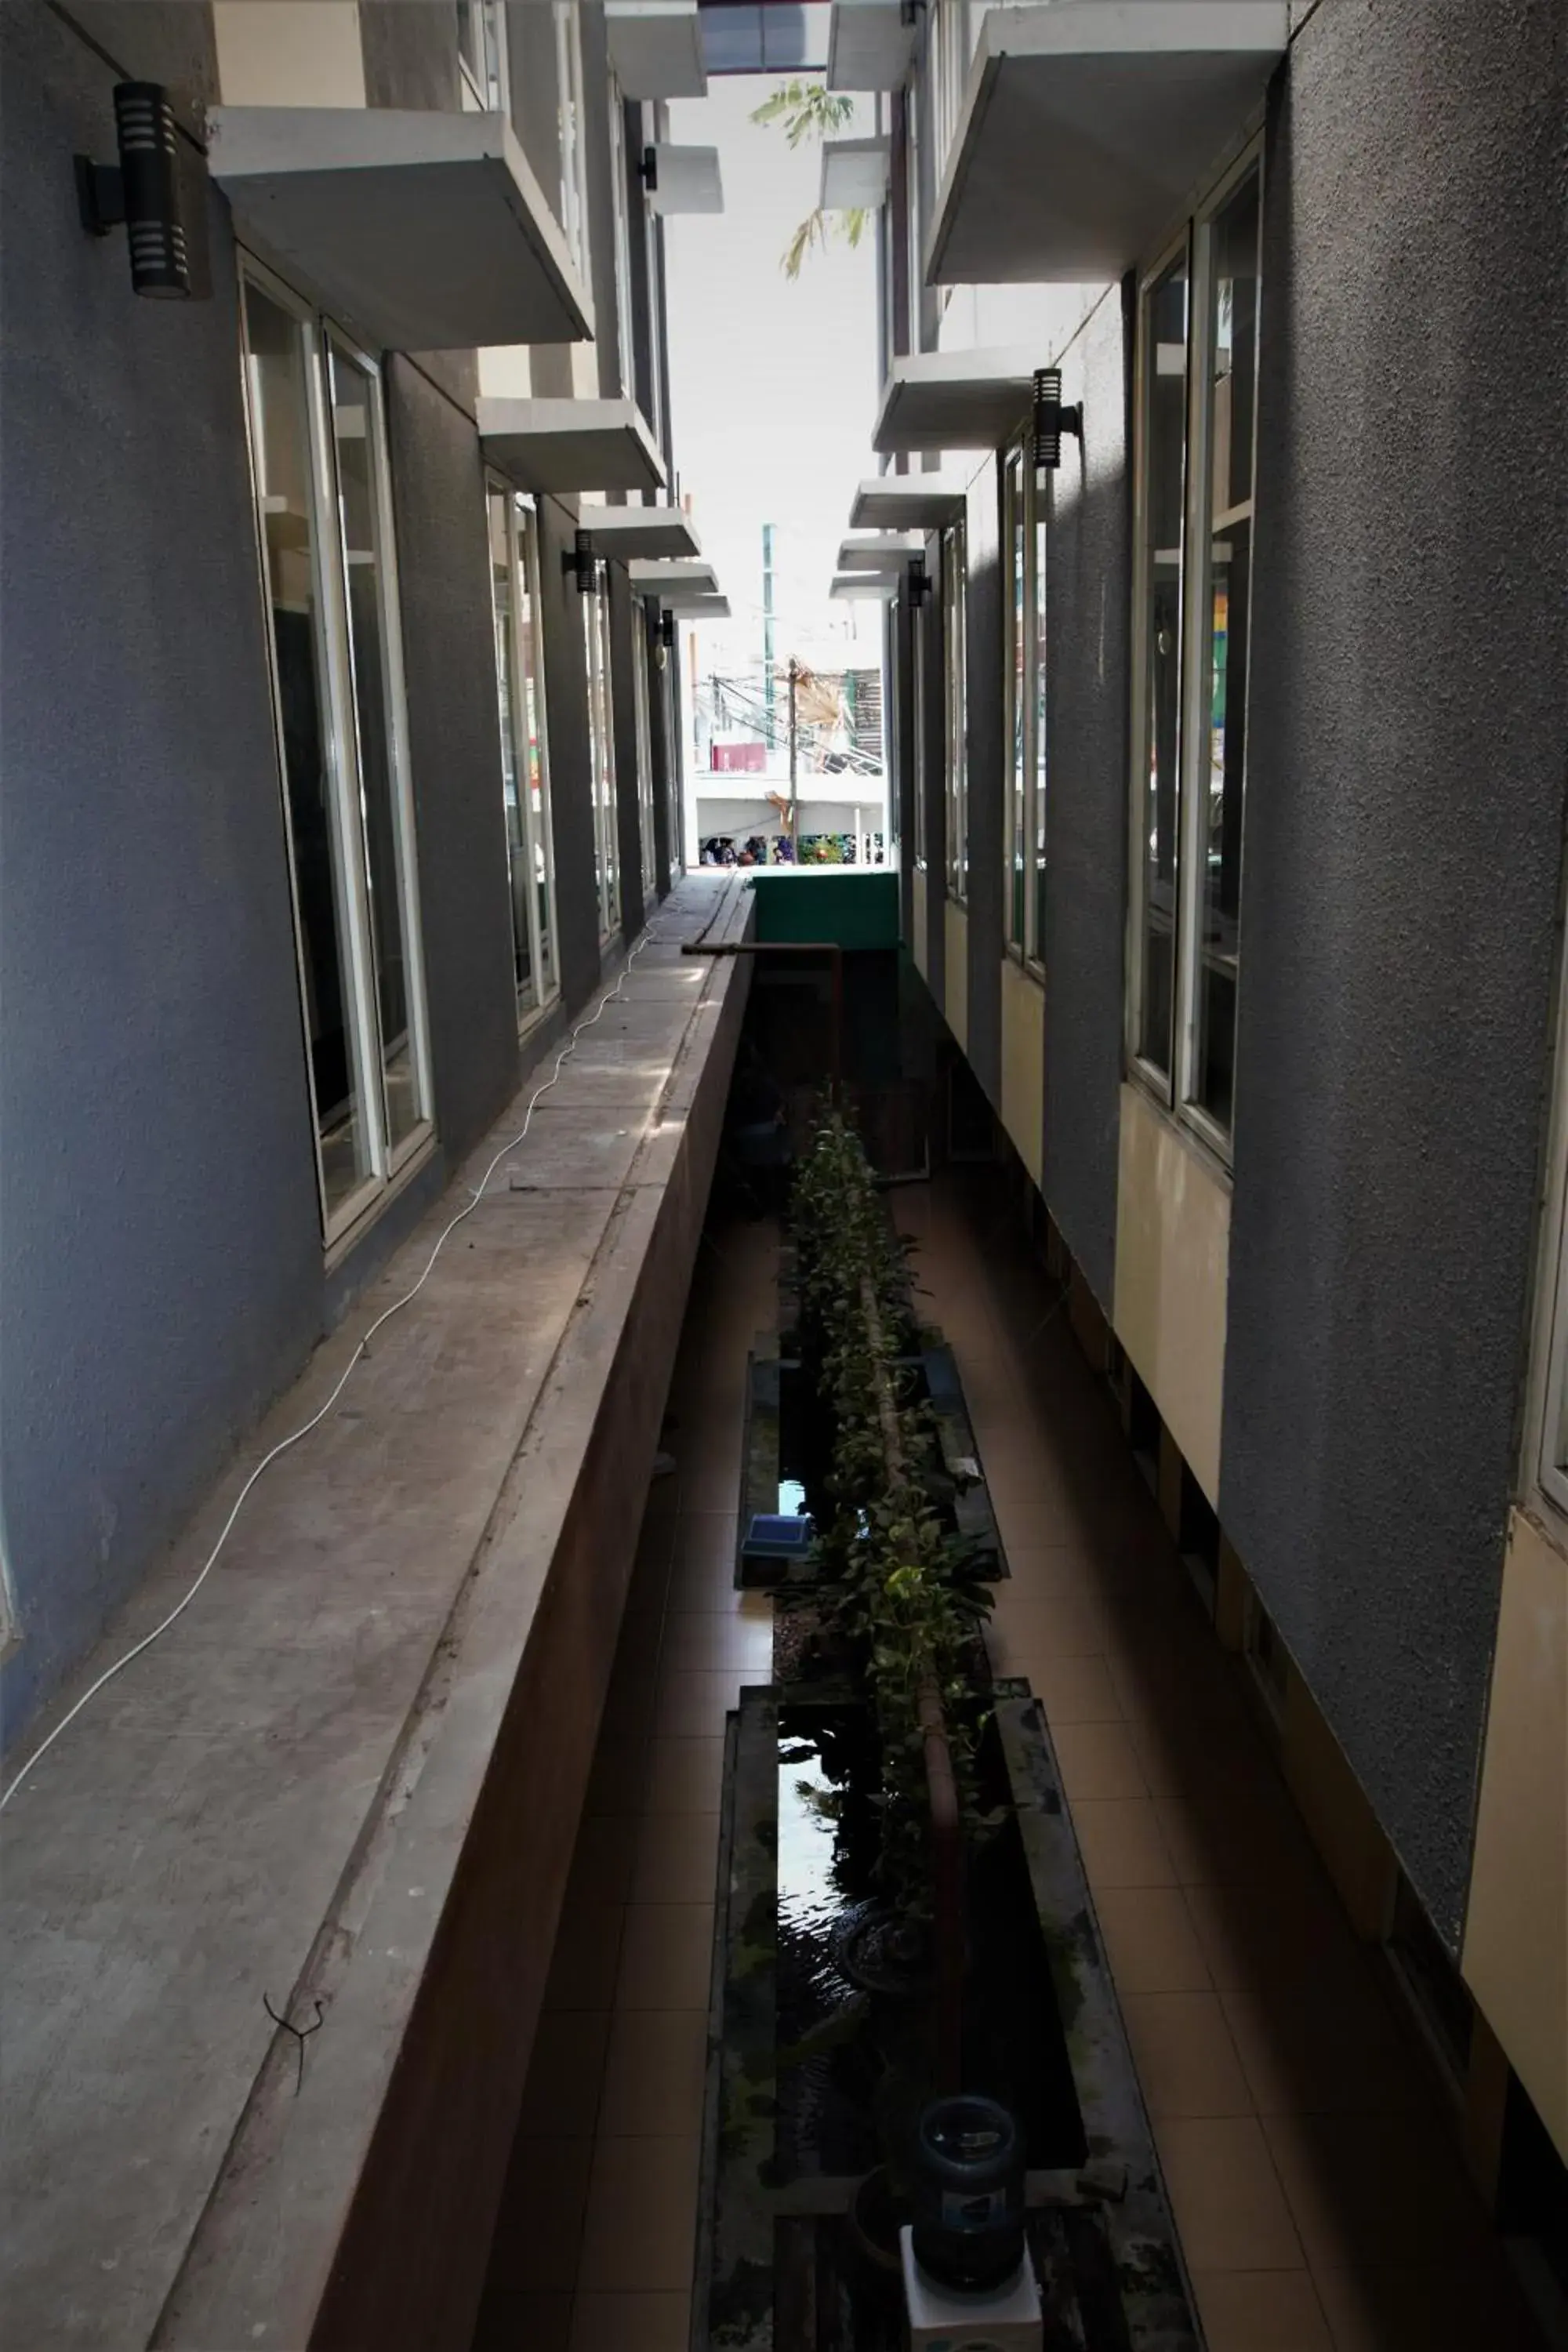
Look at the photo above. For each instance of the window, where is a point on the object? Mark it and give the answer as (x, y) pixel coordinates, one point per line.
(323, 507)
(1024, 557)
(573, 143)
(644, 717)
(918, 716)
(620, 186)
(949, 66)
(481, 54)
(602, 750)
(1197, 407)
(525, 765)
(1546, 1448)
(955, 717)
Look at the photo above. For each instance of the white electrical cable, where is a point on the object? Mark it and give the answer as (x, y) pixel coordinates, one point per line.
(610, 997)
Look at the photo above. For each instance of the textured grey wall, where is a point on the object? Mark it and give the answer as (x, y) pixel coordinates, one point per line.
(455, 743)
(410, 49)
(566, 717)
(1403, 847)
(984, 696)
(161, 1263)
(1087, 585)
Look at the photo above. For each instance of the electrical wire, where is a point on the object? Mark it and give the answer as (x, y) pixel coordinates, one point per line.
(611, 996)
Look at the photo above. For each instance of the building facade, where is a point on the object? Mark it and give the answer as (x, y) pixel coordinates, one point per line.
(331, 790)
(1230, 780)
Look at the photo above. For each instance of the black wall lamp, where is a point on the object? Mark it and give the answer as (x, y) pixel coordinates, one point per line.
(583, 565)
(920, 583)
(141, 192)
(647, 170)
(667, 628)
(1052, 420)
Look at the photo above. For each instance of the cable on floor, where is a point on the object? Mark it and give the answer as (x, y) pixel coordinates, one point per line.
(611, 996)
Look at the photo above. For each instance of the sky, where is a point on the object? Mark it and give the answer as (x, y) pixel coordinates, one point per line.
(773, 384)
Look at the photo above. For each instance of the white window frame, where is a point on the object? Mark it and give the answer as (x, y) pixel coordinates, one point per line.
(955, 708)
(573, 120)
(918, 714)
(643, 716)
(1023, 746)
(1195, 239)
(388, 1161)
(947, 53)
(485, 85)
(523, 547)
(621, 203)
(602, 748)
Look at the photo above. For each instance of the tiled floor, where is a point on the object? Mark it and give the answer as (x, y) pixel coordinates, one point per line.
(1320, 2201)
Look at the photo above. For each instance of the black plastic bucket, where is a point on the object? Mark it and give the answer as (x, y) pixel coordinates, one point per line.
(969, 2194)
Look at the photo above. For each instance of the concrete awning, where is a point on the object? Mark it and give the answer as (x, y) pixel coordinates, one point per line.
(571, 445)
(687, 604)
(655, 47)
(955, 400)
(675, 576)
(647, 533)
(878, 586)
(685, 180)
(882, 551)
(1104, 115)
(869, 45)
(895, 502)
(854, 174)
(423, 230)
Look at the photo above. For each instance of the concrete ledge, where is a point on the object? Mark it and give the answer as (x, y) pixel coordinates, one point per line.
(352, 1773)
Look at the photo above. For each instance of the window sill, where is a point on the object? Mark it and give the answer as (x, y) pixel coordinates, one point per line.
(350, 1239)
(1157, 1091)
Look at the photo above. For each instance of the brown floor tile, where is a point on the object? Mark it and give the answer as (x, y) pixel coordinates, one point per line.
(1185, 2058)
(704, 1639)
(1119, 1841)
(682, 1776)
(582, 1968)
(1228, 2204)
(667, 1957)
(1096, 1760)
(1074, 1690)
(544, 2205)
(705, 1538)
(1330, 2047)
(1429, 2309)
(628, 2323)
(566, 2075)
(1189, 1754)
(1371, 2191)
(691, 1703)
(1149, 1940)
(701, 1583)
(1272, 1933)
(601, 1861)
(618, 1777)
(519, 2320)
(1261, 2311)
(715, 1482)
(677, 1858)
(639, 2232)
(1048, 1626)
(1223, 1841)
(654, 2074)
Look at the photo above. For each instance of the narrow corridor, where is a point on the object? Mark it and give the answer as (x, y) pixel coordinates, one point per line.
(1316, 2182)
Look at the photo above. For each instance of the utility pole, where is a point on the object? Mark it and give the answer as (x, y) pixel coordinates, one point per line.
(768, 627)
(794, 778)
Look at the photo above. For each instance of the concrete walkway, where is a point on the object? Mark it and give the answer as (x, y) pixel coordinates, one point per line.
(392, 1678)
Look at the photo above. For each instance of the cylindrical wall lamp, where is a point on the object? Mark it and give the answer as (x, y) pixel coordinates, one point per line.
(141, 191)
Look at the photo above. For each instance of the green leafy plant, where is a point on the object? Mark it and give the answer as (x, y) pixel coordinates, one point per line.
(809, 110)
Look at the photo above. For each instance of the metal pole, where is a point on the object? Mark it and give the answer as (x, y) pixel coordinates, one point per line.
(768, 625)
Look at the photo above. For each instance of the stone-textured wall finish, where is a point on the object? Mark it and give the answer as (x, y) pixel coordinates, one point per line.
(983, 647)
(453, 731)
(614, 364)
(1403, 840)
(162, 1262)
(566, 719)
(410, 54)
(1088, 541)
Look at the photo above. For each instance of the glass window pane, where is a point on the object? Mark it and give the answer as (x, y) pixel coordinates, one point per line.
(503, 565)
(1038, 935)
(1166, 449)
(595, 627)
(1233, 339)
(356, 428)
(1018, 700)
(918, 723)
(536, 760)
(956, 712)
(275, 377)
